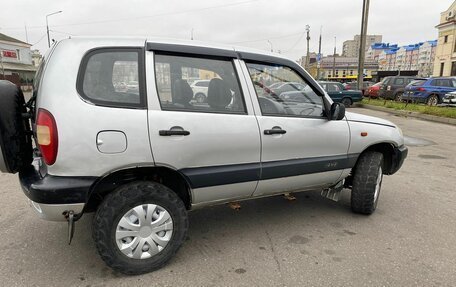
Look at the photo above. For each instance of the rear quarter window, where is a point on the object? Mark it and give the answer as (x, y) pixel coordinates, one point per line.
(112, 77)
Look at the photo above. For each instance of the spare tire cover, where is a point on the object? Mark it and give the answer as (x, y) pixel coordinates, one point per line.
(15, 140)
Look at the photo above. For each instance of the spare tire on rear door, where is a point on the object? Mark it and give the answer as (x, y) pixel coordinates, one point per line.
(15, 139)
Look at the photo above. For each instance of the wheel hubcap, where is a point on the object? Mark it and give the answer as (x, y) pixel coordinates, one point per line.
(144, 231)
(378, 185)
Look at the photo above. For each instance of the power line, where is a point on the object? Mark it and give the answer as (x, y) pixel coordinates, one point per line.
(137, 18)
(42, 37)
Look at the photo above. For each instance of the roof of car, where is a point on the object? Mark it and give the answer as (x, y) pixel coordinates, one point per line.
(135, 41)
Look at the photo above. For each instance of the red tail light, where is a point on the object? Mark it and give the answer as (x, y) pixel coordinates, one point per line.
(47, 136)
(421, 89)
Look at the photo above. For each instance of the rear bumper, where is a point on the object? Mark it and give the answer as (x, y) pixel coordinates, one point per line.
(400, 154)
(50, 196)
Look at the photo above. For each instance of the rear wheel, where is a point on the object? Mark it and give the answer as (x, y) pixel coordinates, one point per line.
(347, 102)
(200, 98)
(15, 138)
(432, 100)
(367, 183)
(139, 227)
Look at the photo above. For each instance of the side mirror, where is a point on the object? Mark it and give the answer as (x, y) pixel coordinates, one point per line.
(337, 112)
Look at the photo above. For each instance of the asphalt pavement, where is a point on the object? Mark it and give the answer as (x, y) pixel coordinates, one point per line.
(312, 241)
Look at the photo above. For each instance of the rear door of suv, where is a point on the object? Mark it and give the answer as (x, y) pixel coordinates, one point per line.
(215, 144)
(301, 148)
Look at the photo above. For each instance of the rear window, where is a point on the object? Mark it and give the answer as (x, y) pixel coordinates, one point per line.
(417, 82)
(112, 77)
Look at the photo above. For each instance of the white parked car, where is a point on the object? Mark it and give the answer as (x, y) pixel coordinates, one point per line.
(199, 88)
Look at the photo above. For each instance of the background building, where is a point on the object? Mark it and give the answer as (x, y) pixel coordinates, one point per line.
(417, 57)
(342, 68)
(350, 48)
(445, 54)
(16, 61)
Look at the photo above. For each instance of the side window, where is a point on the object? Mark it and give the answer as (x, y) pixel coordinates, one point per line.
(297, 100)
(198, 85)
(111, 77)
(399, 81)
(435, 83)
(333, 88)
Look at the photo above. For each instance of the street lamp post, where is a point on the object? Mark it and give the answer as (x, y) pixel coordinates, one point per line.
(47, 26)
(270, 43)
(308, 53)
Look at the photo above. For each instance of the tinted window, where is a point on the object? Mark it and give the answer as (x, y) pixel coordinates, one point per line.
(299, 101)
(202, 84)
(399, 81)
(174, 72)
(112, 78)
(333, 88)
(417, 82)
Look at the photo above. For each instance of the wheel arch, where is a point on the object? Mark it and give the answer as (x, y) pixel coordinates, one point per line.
(387, 149)
(169, 177)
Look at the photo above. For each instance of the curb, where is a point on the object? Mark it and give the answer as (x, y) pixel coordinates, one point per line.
(437, 119)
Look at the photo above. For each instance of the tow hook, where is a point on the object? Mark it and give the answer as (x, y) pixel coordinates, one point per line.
(333, 192)
(69, 215)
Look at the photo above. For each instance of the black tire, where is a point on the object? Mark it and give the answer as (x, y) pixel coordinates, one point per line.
(347, 102)
(200, 98)
(398, 97)
(116, 204)
(15, 139)
(432, 100)
(367, 171)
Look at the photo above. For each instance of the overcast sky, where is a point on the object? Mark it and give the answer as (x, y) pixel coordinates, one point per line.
(242, 22)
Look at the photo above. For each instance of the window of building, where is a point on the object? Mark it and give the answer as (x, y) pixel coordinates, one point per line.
(274, 100)
(453, 69)
(442, 66)
(216, 88)
(445, 39)
(112, 77)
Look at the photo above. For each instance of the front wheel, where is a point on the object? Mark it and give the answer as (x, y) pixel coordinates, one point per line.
(398, 97)
(367, 182)
(346, 102)
(139, 227)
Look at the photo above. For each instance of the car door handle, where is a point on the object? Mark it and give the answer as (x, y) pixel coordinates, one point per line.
(173, 133)
(275, 131)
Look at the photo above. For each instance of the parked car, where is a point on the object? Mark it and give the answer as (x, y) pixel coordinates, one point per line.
(354, 86)
(142, 160)
(372, 91)
(199, 88)
(430, 91)
(393, 87)
(450, 99)
(339, 95)
(281, 87)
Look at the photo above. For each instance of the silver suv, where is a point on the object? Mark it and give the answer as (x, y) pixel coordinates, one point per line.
(115, 129)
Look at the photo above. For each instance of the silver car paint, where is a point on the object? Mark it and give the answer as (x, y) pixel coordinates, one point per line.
(305, 138)
(214, 140)
(54, 212)
(378, 131)
(79, 122)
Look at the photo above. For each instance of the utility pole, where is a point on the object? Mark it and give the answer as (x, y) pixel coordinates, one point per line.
(334, 59)
(362, 44)
(308, 53)
(191, 38)
(319, 55)
(47, 26)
